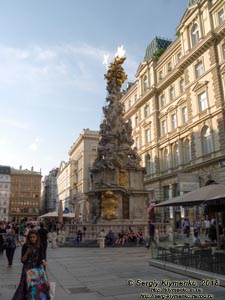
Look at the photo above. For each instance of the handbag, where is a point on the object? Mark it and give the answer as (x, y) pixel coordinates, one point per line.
(37, 284)
(52, 290)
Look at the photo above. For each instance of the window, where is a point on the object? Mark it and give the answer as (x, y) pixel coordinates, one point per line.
(169, 67)
(165, 159)
(166, 192)
(163, 127)
(182, 86)
(147, 136)
(175, 155)
(195, 34)
(221, 16)
(163, 100)
(186, 151)
(174, 121)
(223, 50)
(199, 70)
(145, 83)
(135, 97)
(172, 93)
(160, 75)
(179, 56)
(206, 140)
(202, 101)
(184, 115)
(146, 111)
(137, 142)
(148, 164)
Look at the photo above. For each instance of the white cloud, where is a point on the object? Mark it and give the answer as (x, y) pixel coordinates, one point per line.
(34, 145)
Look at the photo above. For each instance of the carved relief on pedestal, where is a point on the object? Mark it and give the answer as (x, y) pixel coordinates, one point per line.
(123, 177)
(109, 205)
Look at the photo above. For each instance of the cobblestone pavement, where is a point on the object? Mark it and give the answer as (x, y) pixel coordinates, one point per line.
(93, 273)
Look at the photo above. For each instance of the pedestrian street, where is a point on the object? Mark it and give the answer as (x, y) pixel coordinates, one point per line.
(94, 273)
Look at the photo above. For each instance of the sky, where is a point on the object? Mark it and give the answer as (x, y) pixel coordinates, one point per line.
(51, 73)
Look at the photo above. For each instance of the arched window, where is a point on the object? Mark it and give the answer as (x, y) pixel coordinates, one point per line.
(165, 159)
(187, 151)
(206, 140)
(175, 155)
(148, 164)
(195, 34)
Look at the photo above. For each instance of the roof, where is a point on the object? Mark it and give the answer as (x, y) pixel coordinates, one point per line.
(4, 170)
(213, 194)
(24, 172)
(192, 2)
(156, 44)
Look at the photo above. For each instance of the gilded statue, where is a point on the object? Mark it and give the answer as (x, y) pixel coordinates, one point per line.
(109, 204)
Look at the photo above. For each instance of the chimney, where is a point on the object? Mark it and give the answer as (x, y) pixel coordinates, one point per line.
(32, 168)
(20, 167)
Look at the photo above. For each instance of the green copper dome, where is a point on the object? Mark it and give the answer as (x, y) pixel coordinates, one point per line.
(192, 2)
(156, 45)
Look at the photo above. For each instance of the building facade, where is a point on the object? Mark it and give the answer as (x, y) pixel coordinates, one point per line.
(176, 107)
(63, 184)
(82, 156)
(5, 178)
(25, 194)
(50, 191)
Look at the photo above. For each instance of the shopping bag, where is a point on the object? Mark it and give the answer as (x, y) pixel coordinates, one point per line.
(52, 290)
(37, 284)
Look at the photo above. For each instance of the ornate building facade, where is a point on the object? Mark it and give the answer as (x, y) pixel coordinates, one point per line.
(63, 185)
(50, 191)
(176, 106)
(25, 194)
(82, 156)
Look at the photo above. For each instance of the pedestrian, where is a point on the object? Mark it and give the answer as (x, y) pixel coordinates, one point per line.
(207, 224)
(32, 258)
(152, 233)
(43, 233)
(102, 239)
(54, 239)
(2, 238)
(11, 239)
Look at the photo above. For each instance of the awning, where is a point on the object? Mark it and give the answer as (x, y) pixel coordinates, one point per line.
(54, 214)
(213, 194)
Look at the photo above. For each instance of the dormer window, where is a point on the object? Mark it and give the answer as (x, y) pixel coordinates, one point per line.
(195, 34)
